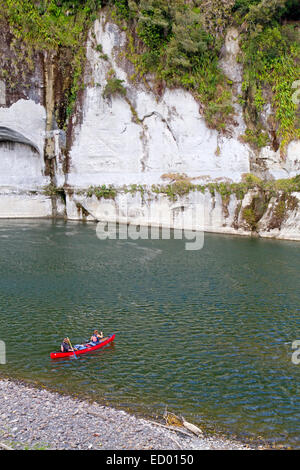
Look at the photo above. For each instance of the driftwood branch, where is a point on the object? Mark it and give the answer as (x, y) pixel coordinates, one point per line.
(173, 420)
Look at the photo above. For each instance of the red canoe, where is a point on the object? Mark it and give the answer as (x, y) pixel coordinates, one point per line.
(103, 342)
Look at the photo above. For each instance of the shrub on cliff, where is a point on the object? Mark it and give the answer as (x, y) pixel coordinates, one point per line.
(114, 87)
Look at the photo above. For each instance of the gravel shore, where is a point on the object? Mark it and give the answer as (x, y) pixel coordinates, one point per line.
(34, 418)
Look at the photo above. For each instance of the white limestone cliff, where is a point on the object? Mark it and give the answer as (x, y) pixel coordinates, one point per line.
(135, 140)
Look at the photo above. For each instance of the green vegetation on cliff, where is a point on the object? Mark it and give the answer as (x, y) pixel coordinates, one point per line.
(55, 29)
(271, 59)
(179, 42)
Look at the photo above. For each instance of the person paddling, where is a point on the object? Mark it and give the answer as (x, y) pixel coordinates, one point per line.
(65, 346)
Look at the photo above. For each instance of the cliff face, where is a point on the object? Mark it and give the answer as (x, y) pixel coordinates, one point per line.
(137, 142)
(147, 135)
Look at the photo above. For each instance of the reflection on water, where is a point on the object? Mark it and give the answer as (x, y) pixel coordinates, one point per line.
(207, 333)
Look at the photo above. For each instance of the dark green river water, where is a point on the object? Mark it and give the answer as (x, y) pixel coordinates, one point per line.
(206, 333)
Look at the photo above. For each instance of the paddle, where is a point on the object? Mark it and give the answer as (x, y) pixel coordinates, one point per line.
(71, 347)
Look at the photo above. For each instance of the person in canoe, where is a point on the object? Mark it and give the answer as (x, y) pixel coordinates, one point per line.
(65, 345)
(96, 337)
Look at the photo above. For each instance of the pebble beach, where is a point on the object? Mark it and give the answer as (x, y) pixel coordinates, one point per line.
(35, 419)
